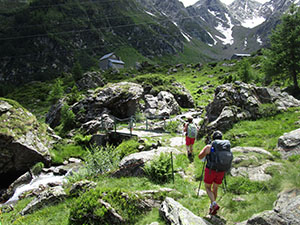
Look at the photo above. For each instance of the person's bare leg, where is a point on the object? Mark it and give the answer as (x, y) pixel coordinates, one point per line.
(209, 192)
(215, 190)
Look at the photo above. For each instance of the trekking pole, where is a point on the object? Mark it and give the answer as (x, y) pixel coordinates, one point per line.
(201, 178)
(172, 168)
(225, 183)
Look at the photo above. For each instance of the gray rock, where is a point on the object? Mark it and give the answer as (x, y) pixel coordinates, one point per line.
(23, 142)
(133, 164)
(239, 101)
(163, 105)
(91, 80)
(104, 123)
(289, 144)
(174, 213)
(183, 97)
(54, 114)
(49, 196)
(123, 96)
(246, 150)
(82, 186)
(286, 211)
(254, 173)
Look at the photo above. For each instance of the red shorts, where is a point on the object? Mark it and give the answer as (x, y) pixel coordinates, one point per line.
(211, 176)
(189, 141)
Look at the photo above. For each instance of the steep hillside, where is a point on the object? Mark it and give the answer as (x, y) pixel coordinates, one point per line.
(45, 38)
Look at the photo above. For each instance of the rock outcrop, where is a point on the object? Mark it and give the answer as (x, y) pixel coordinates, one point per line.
(122, 96)
(91, 80)
(174, 213)
(289, 144)
(286, 211)
(161, 106)
(49, 196)
(23, 141)
(133, 164)
(238, 101)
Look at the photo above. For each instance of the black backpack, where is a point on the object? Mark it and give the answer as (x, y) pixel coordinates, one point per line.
(220, 157)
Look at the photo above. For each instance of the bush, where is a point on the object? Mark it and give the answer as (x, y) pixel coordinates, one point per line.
(67, 120)
(294, 158)
(159, 170)
(172, 126)
(87, 209)
(37, 168)
(81, 140)
(267, 110)
(127, 147)
(100, 160)
(57, 91)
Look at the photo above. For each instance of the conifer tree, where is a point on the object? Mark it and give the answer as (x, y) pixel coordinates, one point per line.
(283, 57)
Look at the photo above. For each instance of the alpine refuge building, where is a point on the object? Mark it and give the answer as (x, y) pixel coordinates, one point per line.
(110, 61)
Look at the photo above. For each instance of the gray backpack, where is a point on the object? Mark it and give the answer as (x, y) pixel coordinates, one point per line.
(220, 157)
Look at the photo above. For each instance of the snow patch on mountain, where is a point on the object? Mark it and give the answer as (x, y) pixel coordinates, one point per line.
(226, 31)
(251, 23)
(215, 41)
(258, 39)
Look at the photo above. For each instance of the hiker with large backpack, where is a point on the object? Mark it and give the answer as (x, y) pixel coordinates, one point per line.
(219, 159)
(190, 131)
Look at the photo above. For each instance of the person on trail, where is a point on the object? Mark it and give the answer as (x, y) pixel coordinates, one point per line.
(190, 131)
(212, 178)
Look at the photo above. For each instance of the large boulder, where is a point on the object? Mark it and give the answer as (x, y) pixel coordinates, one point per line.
(183, 96)
(50, 196)
(91, 80)
(132, 165)
(239, 101)
(174, 213)
(289, 143)
(122, 96)
(286, 211)
(23, 141)
(163, 105)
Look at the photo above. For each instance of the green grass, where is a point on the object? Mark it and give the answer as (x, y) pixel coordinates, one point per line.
(263, 132)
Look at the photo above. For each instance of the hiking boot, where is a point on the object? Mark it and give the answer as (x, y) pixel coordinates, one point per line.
(215, 209)
(190, 156)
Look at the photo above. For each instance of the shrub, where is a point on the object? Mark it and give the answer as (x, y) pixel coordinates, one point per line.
(67, 120)
(294, 158)
(37, 168)
(127, 147)
(57, 91)
(267, 110)
(100, 160)
(87, 209)
(81, 140)
(159, 170)
(172, 126)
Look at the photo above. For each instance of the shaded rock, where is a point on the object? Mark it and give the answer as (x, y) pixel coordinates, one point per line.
(54, 114)
(133, 164)
(24, 179)
(174, 213)
(91, 80)
(286, 211)
(23, 142)
(183, 97)
(289, 144)
(48, 197)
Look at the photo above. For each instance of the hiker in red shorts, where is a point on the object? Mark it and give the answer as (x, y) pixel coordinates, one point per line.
(190, 131)
(212, 178)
